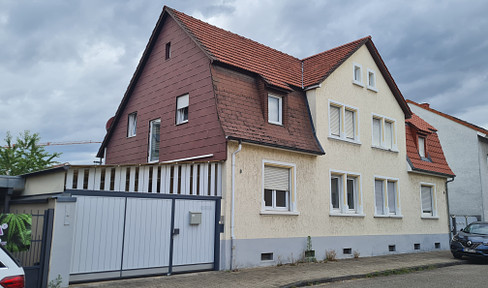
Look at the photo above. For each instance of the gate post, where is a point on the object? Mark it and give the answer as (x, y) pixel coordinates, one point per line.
(62, 239)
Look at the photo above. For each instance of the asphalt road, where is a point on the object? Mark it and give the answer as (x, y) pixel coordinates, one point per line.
(468, 275)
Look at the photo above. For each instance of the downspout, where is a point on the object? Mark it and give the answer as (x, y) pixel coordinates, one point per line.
(448, 209)
(232, 236)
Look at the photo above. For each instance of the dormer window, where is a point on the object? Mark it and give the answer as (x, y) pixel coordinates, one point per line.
(422, 147)
(357, 74)
(371, 80)
(275, 109)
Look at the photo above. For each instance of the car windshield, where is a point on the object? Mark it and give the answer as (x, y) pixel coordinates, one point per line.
(477, 228)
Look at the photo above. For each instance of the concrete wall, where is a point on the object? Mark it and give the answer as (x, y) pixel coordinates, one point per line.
(464, 155)
(47, 183)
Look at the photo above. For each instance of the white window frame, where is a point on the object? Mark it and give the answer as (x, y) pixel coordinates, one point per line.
(383, 141)
(279, 112)
(386, 198)
(343, 209)
(291, 208)
(132, 124)
(371, 76)
(149, 152)
(182, 105)
(342, 123)
(422, 149)
(433, 193)
(356, 66)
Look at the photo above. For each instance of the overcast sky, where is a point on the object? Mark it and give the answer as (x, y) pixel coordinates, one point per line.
(65, 64)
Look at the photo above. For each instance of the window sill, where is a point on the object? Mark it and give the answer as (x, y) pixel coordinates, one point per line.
(131, 136)
(281, 213)
(372, 89)
(394, 150)
(276, 123)
(332, 137)
(346, 215)
(427, 217)
(389, 216)
(360, 84)
(181, 123)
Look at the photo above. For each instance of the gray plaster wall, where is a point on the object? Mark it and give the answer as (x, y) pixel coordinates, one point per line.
(291, 250)
(483, 158)
(462, 150)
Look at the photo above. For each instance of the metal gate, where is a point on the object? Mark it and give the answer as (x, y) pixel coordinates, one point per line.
(35, 261)
(132, 234)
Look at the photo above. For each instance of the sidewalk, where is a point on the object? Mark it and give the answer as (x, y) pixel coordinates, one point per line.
(290, 275)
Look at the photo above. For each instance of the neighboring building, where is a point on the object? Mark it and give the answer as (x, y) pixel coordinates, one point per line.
(225, 154)
(466, 148)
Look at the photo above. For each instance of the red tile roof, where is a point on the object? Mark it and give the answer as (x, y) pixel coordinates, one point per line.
(437, 163)
(426, 106)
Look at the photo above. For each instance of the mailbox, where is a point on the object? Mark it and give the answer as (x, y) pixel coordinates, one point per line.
(195, 218)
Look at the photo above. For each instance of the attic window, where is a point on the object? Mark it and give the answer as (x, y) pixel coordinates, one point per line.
(275, 109)
(132, 124)
(422, 147)
(372, 80)
(357, 74)
(168, 51)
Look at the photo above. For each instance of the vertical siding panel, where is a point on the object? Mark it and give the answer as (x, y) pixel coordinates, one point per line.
(204, 179)
(118, 180)
(91, 179)
(69, 179)
(212, 180)
(132, 179)
(195, 179)
(81, 177)
(98, 177)
(108, 178)
(219, 180)
(176, 171)
(143, 179)
(154, 187)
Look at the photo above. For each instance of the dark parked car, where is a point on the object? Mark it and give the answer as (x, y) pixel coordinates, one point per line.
(471, 241)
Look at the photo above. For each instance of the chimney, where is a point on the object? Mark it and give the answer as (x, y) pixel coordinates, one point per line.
(425, 105)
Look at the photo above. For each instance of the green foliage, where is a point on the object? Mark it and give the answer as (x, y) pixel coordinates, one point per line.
(56, 283)
(25, 155)
(18, 231)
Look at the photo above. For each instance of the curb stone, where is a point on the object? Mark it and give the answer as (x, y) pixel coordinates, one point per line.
(305, 283)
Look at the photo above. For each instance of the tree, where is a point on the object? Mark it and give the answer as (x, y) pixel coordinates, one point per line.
(25, 155)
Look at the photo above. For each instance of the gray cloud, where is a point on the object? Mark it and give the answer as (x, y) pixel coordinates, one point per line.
(66, 64)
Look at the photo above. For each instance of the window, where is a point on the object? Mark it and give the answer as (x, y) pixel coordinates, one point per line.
(154, 134)
(343, 122)
(345, 193)
(384, 135)
(278, 189)
(422, 147)
(182, 103)
(168, 51)
(357, 74)
(132, 124)
(427, 196)
(386, 196)
(275, 109)
(371, 80)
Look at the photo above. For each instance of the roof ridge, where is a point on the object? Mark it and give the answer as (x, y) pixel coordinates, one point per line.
(178, 13)
(338, 47)
(445, 115)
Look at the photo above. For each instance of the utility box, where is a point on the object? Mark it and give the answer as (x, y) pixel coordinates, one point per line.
(195, 218)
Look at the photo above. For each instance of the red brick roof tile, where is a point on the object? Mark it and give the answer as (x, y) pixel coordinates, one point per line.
(437, 163)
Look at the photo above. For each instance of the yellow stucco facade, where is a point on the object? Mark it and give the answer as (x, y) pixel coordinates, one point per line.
(351, 157)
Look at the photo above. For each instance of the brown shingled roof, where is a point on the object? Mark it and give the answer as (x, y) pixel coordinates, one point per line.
(436, 162)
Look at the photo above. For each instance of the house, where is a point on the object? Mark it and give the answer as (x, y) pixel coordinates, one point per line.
(468, 194)
(317, 153)
(225, 153)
